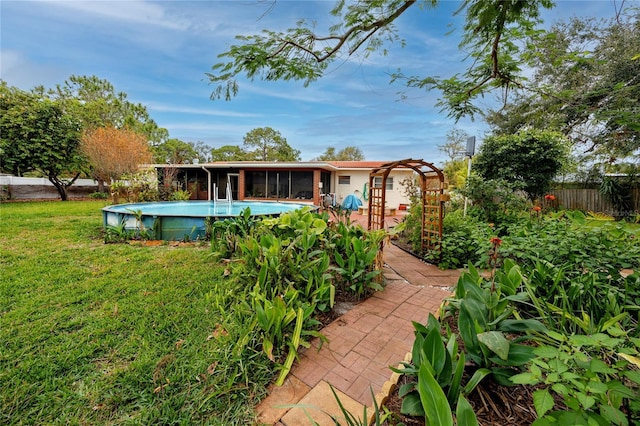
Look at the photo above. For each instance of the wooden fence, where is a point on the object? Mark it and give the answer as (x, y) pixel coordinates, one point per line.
(592, 200)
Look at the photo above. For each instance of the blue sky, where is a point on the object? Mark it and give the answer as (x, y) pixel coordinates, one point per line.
(159, 51)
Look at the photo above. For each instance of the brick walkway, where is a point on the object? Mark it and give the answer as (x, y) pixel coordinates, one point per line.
(363, 343)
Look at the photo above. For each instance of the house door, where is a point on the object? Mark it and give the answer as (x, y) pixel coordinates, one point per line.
(233, 178)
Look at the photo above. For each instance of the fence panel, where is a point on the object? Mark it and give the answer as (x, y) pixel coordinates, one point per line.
(592, 200)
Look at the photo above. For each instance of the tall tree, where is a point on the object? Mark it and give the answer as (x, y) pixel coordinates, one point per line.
(228, 153)
(102, 106)
(174, 151)
(348, 153)
(114, 152)
(493, 32)
(267, 144)
(529, 159)
(39, 134)
(586, 84)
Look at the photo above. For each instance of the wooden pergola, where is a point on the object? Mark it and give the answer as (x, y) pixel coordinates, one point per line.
(432, 197)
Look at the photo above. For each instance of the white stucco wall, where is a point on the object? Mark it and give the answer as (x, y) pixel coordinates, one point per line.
(358, 179)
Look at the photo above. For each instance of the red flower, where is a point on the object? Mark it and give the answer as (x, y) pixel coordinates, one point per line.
(549, 197)
(536, 208)
(495, 241)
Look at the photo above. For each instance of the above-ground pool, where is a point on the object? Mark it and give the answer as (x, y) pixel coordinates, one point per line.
(182, 220)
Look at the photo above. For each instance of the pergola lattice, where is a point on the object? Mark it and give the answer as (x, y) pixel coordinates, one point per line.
(432, 196)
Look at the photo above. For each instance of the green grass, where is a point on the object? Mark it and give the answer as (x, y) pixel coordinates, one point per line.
(92, 333)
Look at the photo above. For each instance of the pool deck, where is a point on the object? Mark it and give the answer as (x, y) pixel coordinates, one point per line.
(363, 343)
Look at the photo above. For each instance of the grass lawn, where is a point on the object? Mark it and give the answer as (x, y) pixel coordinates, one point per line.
(92, 333)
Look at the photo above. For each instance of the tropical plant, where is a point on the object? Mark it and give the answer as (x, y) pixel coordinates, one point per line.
(288, 258)
(437, 368)
(486, 311)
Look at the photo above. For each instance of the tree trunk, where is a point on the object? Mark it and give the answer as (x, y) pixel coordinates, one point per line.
(61, 185)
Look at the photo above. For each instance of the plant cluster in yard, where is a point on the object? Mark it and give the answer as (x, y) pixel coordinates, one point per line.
(568, 238)
(290, 268)
(95, 333)
(560, 317)
(135, 187)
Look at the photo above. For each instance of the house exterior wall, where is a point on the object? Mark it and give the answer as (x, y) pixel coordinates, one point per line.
(358, 179)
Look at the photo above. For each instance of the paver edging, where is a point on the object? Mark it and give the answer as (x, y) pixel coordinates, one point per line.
(388, 388)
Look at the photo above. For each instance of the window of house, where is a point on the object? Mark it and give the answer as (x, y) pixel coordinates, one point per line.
(377, 183)
(344, 180)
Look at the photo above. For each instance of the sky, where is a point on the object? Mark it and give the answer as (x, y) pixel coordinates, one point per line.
(158, 53)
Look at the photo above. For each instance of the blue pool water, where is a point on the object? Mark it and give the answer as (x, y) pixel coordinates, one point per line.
(180, 220)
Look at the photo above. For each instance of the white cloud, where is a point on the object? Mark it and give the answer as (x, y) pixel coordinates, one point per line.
(131, 11)
(154, 106)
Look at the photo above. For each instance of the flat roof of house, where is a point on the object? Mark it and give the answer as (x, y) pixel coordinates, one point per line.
(325, 165)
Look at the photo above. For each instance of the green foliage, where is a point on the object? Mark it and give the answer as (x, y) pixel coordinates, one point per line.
(267, 144)
(288, 258)
(39, 134)
(135, 187)
(355, 254)
(465, 240)
(180, 195)
(99, 195)
(493, 34)
(41, 130)
(437, 368)
(98, 104)
(485, 310)
(174, 151)
(594, 375)
(348, 153)
(529, 159)
(566, 297)
(495, 201)
(228, 153)
(587, 92)
(619, 195)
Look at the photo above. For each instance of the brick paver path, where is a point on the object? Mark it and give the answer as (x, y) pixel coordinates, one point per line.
(363, 342)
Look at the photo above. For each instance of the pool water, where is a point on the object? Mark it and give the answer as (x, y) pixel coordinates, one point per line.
(184, 220)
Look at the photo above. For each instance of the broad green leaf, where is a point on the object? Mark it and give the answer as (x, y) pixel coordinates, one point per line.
(542, 401)
(613, 415)
(586, 401)
(546, 351)
(454, 388)
(406, 389)
(435, 403)
(496, 342)
(434, 350)
(503, 376)
(411, 405)
(521, 325)
(518, 355)
(525, 379)
(465, 416)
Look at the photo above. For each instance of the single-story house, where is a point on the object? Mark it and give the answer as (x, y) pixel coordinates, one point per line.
(282, 181)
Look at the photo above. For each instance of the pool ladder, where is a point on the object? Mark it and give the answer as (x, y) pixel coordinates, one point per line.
(228, 197)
